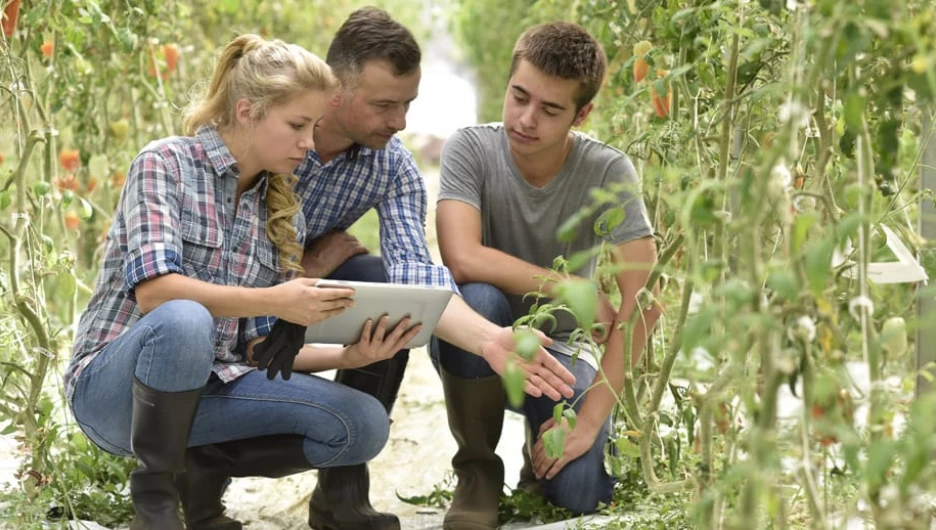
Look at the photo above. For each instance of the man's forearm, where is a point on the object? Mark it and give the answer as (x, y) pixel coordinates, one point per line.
(463, 327)
(600, 400)
(510, 274)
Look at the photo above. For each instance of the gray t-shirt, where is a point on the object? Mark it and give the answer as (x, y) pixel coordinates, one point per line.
(522, 220)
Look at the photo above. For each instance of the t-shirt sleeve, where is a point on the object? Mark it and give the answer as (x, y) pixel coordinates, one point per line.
(460, 171)
(622, 180)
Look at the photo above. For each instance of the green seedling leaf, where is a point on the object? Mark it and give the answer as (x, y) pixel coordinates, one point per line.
(527, 343)
(581, 296)
(784, 284)
(514, 380)
(818, 265)
(554, 442)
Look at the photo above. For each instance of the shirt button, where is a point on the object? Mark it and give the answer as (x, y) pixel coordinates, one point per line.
(229, 200)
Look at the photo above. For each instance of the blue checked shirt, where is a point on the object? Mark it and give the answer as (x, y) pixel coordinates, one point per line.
(176, 215)
(336, 194)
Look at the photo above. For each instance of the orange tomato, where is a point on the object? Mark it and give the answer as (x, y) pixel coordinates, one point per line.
(661, 104)
(91, 185)
(1, 159)
(641, 66)
(641, 69)
(118, 179)
(768, 138)
(10, 14)
(68, 182)
(72, 221)
(69, 159)
(171, 54)
(47, 48)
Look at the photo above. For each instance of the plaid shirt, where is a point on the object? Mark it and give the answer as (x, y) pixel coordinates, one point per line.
(176, 215)
(336, 194)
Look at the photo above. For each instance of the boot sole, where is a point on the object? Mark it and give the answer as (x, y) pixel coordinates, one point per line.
(466, 525)
(320, 523)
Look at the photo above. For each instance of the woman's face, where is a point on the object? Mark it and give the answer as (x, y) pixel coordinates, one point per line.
(279, 142)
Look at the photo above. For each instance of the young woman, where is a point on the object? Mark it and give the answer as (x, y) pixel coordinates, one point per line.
(203, 247)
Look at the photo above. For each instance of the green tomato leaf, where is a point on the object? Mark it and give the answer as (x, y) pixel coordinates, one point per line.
(581, 296)
(570, 417)
(554, 442)
(801, 225)
(527, 343)
(557, 413)
(818, 265)
(784, 284)
(569, 229)
(854, 110)
(514, 380)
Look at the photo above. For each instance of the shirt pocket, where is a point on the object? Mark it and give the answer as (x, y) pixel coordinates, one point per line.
(202, 243)
(264, 263)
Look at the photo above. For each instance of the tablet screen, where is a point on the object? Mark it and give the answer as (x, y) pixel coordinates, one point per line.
(424, 304)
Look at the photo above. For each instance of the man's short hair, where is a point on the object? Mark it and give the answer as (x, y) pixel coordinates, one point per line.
(567, 51)
(368, 34)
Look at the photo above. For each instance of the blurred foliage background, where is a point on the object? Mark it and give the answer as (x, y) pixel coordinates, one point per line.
(771, 136)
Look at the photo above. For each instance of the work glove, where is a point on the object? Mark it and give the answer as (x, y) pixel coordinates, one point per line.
(278, 351)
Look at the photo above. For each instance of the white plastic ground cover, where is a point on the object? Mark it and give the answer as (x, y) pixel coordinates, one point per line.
(905, 270)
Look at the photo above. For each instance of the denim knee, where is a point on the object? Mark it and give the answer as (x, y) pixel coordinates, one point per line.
(179, 347)
(361, 268)
(370, 429)
(489, 301)
(583, 483)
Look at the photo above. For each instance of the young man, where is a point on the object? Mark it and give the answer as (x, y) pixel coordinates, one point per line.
(359, 164)
(506, 189)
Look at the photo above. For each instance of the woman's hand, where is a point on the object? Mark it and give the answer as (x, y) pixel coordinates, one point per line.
(301, 302)
(376, 344)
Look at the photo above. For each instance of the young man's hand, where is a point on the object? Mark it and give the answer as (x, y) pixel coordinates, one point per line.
(543, 373)
(329, 251)
(578, 441)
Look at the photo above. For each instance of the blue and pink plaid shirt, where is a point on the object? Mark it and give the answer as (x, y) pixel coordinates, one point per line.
(176, 215)
(336, 194)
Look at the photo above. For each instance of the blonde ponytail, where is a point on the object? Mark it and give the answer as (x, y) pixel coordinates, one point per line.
(266, 73)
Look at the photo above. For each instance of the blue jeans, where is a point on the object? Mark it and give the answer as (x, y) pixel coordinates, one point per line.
(583, 483)
(170, 350)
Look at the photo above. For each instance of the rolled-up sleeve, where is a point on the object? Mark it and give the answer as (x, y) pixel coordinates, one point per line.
(402, 215)
(151, 209)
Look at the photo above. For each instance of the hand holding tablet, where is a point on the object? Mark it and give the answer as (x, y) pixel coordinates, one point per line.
(423, 304)
(373, 318)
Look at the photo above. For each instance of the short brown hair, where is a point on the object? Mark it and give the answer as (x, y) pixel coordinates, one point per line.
(370, 33)
(565, 50)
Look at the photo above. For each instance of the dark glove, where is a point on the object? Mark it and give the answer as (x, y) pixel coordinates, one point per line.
(278, 351)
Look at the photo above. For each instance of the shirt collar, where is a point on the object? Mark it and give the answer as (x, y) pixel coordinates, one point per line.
(217, 151)
(221, 158)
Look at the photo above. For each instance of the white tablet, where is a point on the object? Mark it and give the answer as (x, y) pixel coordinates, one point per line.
(423, 304)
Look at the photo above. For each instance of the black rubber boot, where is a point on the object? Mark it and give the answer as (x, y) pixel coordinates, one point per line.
(341, 500)
(475, 410)
(209, 467)
(159, 433)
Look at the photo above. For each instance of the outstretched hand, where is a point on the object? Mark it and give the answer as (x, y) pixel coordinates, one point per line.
(543, 373)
